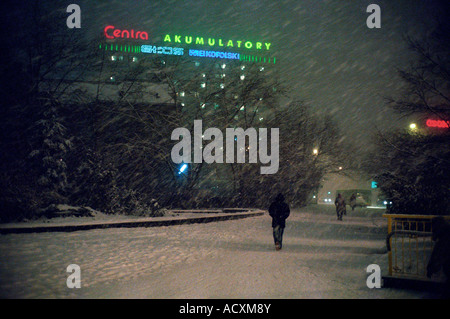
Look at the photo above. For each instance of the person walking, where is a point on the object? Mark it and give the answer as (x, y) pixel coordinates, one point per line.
(279, 211)
(353, 201)
(340, 206)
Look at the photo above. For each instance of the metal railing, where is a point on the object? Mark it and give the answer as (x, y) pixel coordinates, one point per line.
(409, 243)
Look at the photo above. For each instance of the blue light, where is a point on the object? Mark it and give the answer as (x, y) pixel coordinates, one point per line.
(182, 168)
(214, 54)
(161, 50)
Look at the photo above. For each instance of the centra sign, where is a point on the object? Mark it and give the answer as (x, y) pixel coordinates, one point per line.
(217, 42)
(112, 33)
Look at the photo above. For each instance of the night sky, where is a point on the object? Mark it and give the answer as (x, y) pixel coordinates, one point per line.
(324, 50)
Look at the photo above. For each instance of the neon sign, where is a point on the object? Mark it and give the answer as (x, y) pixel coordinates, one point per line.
(161, 50)
(217, 42)
(437, 123)
(112, 33)
(214, 54)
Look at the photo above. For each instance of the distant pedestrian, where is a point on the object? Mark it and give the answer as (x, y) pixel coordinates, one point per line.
(353, 201)
(440, 257)
(279, 211)
(340, 206)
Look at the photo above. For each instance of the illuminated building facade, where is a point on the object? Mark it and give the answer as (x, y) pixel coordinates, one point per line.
(122, 49)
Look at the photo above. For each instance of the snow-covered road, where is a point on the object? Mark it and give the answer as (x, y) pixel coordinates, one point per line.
(321, 258)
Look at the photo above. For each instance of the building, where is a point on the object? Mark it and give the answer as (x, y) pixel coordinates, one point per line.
(123, 52)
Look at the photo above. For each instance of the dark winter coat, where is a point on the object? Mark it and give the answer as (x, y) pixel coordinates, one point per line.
(340, 204)
(440, 257)
(279, 211)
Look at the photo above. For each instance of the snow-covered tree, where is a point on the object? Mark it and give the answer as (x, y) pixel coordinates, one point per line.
(412, 166)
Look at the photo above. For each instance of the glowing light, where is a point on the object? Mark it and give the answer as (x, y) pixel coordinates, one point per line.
(188, 39)
(214, 54)
(161, 50)
(121, 48)
(437, 123)
(112, 33)
(182, 168)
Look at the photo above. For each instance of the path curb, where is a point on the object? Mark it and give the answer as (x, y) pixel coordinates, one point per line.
(129, 224)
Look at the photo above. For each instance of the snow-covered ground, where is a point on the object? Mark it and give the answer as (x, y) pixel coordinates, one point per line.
(321, 258)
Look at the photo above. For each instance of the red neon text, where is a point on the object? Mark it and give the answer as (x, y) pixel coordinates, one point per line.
(437, 123)
(112, 33)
